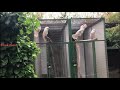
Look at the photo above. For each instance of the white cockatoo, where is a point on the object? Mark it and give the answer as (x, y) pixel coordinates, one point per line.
(92, 34)
(36, 33)
(80, 31)
(45, 33)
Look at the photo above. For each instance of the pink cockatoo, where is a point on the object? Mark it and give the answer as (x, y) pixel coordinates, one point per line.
(79, 32)
(92, 34)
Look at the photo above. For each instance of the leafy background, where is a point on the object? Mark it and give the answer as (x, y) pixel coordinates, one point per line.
(17, 28)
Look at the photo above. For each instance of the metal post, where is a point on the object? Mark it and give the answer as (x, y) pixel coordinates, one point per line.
(105, 41)
(94, 59)
(85, 59)
(70, 48)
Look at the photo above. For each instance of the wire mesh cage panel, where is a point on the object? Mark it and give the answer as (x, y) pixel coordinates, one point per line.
(85, 60)
(56, 52)
(65, 57)
(56, 27)
(57, 65)
(77, 22)
(91, 62)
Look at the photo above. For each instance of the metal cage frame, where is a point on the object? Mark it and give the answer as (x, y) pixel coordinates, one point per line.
(70, 43)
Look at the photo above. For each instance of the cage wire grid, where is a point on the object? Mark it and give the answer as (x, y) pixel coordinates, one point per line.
(57, 26)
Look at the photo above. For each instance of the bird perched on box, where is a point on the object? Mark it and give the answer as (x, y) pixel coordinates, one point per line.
(79, 32)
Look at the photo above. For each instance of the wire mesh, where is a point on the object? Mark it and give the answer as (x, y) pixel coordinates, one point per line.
(53, 24)
(76, 23)
(59, 51)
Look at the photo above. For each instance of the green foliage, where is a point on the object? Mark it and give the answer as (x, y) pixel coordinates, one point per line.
(113, 18)
(17, 61)
(113, 36)
(28, 22)
(27, 52)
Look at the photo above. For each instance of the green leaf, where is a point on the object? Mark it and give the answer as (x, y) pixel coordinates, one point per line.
(25, 58)
(21, 32)
(37, 23)
(4, 62)
(29, 31)
(34, 55)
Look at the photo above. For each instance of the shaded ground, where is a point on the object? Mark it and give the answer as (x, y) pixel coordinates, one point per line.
(114, 63)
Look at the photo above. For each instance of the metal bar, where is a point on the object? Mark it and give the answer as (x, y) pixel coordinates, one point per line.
(85, 60)
(81, 41)
(86, 18)
(67, 42)
(94, 60)
(106, 48)
(88, 40)
(52, 19)
(70, 48)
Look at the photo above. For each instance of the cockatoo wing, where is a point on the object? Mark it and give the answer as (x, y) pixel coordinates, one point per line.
(45, 33)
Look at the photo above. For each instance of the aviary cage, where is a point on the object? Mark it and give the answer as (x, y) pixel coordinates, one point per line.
(59, 58)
